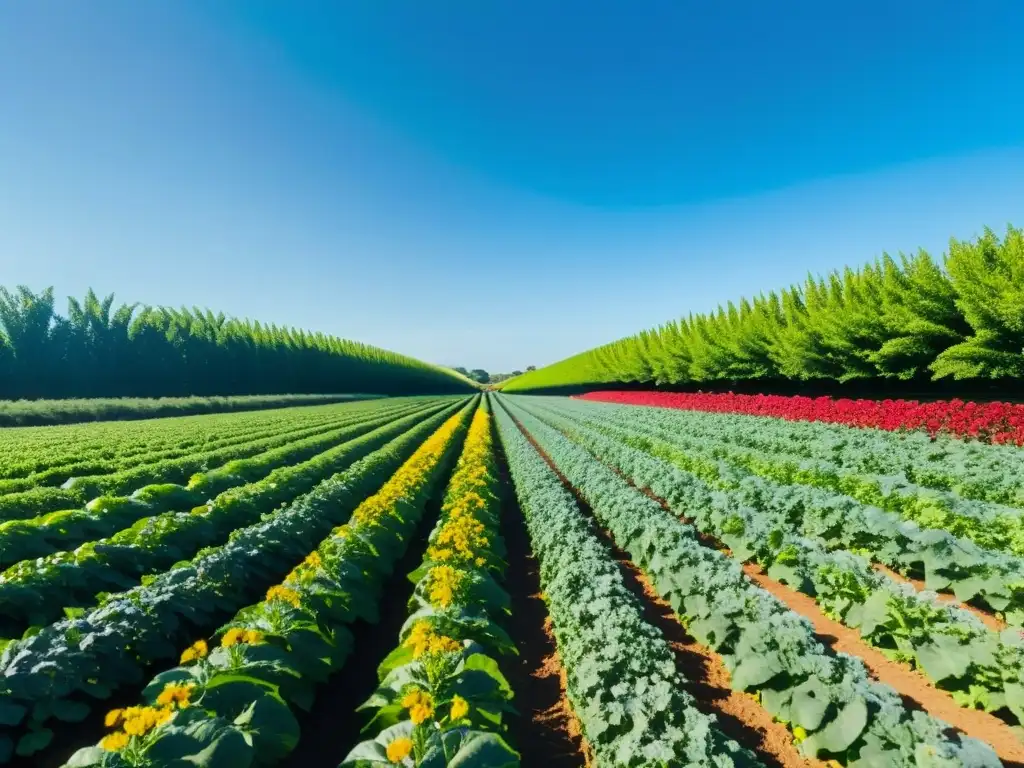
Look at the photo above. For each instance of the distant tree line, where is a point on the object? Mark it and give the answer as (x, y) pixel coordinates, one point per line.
(481, 376)
(102, 350)
(909, 319)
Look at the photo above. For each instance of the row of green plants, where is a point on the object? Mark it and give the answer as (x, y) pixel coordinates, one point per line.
(180, 482)
(232, 702)
(57, 461)
(37, 592)
(37, 413)
(911, 545)
(829, 702)
(442, 698)
(78, 491)
(911, 318)
(61, 672)
(99, 350)
(82, 449)
(982, 668)
(621, 678)
(991, 525)
(971, 470)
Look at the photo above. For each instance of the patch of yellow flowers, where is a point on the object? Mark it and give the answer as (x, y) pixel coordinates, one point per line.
(409, 477)
(399, 749)
(236, 635)
(423, 640)
(138, 721)
(420, 706)
(198, 650)
(285, 595)
(444, 583)
(462, 538)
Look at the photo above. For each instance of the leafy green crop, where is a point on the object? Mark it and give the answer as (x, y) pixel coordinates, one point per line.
(60, 671)
(621, 676)
(950, 645)
(768, 648)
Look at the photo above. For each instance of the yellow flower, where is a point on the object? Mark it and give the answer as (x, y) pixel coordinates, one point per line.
(138, 721)
(284, 594)
(442, 595)
(163, 715)
(113, 717)
(480, 562)
(232, 637)
(313, 560)
(442, 644)
(419, 704)
(460, 708)
(115, 742)
(138, 725)
(197, 650)
(444, 581)
(399, 749)
(799, 734)
(175, 693)
(421, 713)
(236, 635)
(413, 697)
(419, 638)
(253, 637)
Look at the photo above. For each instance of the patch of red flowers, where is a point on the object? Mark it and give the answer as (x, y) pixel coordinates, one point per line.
(989, 422)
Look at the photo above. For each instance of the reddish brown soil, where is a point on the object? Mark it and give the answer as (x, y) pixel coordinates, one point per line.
(988, 619)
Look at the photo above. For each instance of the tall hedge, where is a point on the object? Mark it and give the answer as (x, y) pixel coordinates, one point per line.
(99, 350)
(911, 318)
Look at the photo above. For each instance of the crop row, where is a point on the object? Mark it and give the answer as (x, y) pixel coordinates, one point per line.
(31, 450)
(57, 532)
(234, 705)
(79, 490)
(620, 674)
(36, 591)
(969, 470)
(982, 668)
(829, 701)
(993, 422)
(194, 441)
(34, 413)
(441, 691)
(61, 670)
(876, 468)
(898, 539)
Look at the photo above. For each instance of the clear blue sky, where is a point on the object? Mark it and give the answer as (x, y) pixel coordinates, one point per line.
(494, 184)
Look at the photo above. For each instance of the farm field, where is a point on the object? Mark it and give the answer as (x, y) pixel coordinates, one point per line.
(501, 580)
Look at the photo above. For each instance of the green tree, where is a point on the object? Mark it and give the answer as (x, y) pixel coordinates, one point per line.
(988, 276)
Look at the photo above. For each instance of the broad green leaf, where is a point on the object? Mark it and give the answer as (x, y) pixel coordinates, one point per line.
(843, 731)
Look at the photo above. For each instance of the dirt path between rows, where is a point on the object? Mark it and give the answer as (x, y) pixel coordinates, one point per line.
(546, 732)
(706, 677)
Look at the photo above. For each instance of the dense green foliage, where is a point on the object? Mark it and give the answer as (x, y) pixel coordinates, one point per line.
(102, 351)
(908, 319)
(35, 413)
(798, 535)
(272, 531)
(841, 713)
